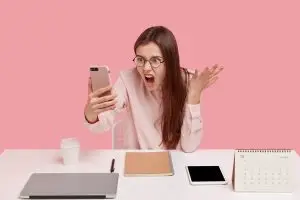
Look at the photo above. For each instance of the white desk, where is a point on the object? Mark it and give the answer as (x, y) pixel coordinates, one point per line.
(17, 165)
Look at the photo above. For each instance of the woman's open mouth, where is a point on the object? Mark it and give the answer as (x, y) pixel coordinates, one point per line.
(149, 78)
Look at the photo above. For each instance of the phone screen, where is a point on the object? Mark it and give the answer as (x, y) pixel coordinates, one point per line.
(205, 174)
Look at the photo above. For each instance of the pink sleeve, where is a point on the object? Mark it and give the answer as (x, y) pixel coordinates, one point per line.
(107, 119)
(191, 128)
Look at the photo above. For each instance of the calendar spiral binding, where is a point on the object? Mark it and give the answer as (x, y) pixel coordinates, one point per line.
(265, 150)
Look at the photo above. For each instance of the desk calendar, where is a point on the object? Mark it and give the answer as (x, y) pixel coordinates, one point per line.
(264, 170)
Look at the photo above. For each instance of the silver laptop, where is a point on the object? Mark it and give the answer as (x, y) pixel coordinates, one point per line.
(71, 186)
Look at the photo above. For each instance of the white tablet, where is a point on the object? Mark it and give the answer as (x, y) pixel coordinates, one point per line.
(205, 175)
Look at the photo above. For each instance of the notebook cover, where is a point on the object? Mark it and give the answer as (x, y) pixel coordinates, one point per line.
(148, 164)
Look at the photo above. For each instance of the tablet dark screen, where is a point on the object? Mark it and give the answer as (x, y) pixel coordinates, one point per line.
(205, 173)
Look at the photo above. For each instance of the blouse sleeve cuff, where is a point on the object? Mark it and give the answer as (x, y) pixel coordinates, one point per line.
(194, 110)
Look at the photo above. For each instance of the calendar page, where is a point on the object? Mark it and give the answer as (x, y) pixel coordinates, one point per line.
(264, 170)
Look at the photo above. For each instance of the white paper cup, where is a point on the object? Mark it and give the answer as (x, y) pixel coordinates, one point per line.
(70, 150)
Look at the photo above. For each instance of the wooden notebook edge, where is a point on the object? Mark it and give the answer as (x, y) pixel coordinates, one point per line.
(172, 171)
(148, 175)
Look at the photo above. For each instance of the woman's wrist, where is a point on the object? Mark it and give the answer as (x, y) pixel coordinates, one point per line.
(194, 97)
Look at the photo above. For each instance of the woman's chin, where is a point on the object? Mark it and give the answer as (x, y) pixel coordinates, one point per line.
(150, 86)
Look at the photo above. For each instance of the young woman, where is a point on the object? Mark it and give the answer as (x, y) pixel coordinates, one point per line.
(161, 99)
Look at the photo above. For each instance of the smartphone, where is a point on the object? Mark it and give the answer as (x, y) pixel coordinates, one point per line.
(100, 77)
(206, 175)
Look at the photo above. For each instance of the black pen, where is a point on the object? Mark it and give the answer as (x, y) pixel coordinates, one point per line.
(112, 167)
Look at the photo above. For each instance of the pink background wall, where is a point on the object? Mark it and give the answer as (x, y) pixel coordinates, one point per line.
(46, 48)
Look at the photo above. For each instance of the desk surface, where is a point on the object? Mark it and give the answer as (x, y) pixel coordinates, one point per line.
(17, 165)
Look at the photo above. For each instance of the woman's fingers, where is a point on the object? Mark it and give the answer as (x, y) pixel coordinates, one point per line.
(216, 71)
(104, 104)
(101, 110)
(211, 81)
(103, 99)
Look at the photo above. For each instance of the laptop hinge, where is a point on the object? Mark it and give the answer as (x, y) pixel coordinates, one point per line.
(69, 197)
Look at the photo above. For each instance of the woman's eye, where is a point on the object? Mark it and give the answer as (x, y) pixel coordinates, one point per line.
(155, 60)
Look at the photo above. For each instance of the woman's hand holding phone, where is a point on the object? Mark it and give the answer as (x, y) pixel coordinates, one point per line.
(99, 101)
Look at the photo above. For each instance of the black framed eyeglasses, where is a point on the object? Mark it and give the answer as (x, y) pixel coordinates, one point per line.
(154, 61)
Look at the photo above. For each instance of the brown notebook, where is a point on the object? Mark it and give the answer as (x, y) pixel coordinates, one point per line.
(148, 164)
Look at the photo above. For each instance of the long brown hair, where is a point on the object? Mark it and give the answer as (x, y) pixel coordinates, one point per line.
(174, 88)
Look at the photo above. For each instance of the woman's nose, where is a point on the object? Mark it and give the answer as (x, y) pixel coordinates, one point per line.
(147, 66)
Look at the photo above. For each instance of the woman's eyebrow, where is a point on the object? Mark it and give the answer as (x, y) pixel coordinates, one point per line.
(154, 56)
